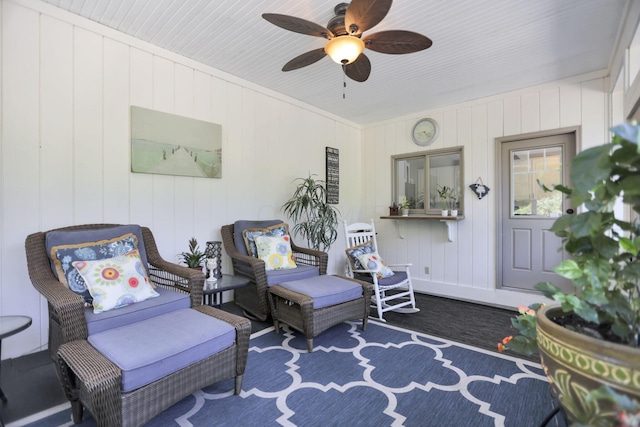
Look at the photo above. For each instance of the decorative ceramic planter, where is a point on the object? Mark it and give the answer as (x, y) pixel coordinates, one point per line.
(445, 212)
(454, 212)
(575, 364)
(405, 212)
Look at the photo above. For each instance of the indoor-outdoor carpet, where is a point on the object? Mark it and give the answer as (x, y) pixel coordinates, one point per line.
(384, 376)
(474, 324)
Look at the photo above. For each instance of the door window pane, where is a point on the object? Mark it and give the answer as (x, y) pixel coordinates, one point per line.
(528, 169)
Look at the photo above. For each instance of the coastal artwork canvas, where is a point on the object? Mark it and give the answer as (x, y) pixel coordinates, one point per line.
(167, 144)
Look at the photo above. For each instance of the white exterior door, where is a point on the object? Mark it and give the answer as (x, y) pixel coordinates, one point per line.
(530, 250)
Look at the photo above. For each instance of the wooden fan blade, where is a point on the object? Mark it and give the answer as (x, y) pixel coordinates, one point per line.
(397, 42)
(305, 59)
(359, 69)
(298, 25)
(362, 15)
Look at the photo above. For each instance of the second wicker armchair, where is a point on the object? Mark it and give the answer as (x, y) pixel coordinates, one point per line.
(237, 240)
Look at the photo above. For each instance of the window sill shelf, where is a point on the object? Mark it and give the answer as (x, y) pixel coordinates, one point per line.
(446, 220)
(424, 217)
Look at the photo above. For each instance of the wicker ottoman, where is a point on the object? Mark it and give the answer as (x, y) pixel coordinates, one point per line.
(315, 304)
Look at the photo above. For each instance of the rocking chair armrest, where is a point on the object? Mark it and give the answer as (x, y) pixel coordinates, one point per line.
(406, 265)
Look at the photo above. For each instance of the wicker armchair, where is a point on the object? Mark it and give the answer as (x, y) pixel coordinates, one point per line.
(92, 381)
(253, 299)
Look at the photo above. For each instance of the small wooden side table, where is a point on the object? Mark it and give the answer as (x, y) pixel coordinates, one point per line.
(213, 292)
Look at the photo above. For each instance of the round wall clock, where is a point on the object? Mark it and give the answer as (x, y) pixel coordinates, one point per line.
(425, 131)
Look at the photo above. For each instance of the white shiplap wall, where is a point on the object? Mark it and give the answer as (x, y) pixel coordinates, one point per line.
(465, 268)
(67, 86)
(68, 83)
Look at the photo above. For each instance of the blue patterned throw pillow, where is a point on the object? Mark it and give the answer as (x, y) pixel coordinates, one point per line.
(64, 255)
(355, 251)
(250, 235)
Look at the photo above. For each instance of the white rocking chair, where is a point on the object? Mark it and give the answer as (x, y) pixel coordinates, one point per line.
(361, 239)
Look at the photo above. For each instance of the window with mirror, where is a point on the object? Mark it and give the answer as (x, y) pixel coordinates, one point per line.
(429, 180)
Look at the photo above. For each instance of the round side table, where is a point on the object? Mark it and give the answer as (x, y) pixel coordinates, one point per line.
(11, 325)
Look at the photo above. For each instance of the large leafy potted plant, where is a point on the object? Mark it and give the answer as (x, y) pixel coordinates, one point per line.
(315, 219)
(589, 342)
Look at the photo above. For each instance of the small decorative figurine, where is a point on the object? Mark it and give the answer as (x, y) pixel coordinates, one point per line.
(211, 265)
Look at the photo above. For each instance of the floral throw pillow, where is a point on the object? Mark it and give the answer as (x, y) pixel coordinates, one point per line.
(250, 235)
(376, 264)
(355, 251)
(116, 282)
(275, 252)
(63, 257)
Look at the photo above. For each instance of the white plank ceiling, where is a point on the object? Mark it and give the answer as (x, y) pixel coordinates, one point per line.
(480, 47)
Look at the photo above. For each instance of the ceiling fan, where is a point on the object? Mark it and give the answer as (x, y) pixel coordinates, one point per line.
(345, 39)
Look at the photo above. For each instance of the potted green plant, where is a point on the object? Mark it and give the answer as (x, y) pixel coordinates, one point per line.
(404, 206)
(443, 194)
(589, 342)
(315, 219)
(453, 202)
(193, 257)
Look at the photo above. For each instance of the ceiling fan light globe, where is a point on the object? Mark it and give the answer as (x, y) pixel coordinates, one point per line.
(344, 49)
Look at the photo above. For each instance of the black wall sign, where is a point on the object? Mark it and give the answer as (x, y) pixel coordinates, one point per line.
(333, 175)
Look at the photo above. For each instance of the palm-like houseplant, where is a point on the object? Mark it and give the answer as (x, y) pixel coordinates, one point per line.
(602, 315)
(194, 257)
(315, 219)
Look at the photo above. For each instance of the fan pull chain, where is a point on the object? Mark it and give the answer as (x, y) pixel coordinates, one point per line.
(344, 82)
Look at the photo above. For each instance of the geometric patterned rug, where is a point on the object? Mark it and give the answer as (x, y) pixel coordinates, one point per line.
(384, 376)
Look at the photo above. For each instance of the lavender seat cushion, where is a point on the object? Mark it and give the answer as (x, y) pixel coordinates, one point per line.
(398, 277)
(167, 301)
(326, 290)
(276, 277)
(154, 348)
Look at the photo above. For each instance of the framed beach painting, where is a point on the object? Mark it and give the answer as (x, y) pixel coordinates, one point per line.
(167, 144)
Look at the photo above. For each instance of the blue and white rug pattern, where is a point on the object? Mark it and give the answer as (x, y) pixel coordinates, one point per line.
(384, 376)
